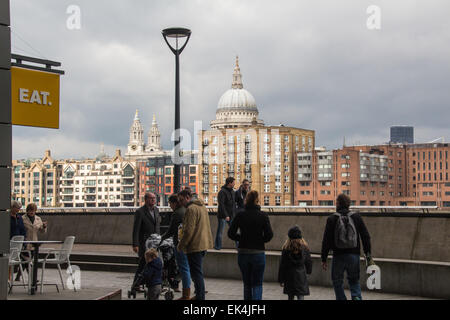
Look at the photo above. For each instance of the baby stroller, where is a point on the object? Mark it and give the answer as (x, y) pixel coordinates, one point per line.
(166, 251)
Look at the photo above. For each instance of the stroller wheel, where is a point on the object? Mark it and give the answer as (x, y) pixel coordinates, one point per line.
(169, 295)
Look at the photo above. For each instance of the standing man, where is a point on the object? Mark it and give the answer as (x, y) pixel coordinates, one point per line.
(342, 233)
(241, 193)
(195, 239)
(226, 209)
(147, 221)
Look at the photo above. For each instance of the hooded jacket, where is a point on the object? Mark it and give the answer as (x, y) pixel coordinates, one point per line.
(226, 203)
(293, 270)
(153, 272)
(196, 233)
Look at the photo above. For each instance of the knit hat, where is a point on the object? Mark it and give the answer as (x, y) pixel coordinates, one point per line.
(295, 233)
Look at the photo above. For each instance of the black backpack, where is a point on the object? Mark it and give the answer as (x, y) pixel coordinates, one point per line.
(345, 235)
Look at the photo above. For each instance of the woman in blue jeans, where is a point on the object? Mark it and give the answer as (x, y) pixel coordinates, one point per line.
(254, 231)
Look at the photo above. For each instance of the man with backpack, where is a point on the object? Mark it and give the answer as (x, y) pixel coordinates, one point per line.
(342, 233)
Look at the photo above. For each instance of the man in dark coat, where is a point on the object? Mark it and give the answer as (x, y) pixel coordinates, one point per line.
(241, 193)
(147, 221)
(226, 209)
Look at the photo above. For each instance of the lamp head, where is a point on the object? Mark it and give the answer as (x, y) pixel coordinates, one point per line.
(176, 33)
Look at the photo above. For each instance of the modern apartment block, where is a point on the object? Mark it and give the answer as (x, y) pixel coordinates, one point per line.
(156, 176)
(100, 182)
(381, 175)
(263, 155)
(36, 181)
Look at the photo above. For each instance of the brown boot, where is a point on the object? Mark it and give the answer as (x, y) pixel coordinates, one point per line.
(186, 294)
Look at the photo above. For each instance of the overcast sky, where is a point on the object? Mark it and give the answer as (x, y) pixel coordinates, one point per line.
(309, 64)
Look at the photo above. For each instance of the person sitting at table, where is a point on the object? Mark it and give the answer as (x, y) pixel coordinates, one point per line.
(33, 224)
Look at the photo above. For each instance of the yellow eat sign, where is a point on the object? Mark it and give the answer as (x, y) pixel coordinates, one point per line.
(34, 98)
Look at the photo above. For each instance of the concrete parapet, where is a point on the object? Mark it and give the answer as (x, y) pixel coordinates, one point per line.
(417, 237)
(415, 278)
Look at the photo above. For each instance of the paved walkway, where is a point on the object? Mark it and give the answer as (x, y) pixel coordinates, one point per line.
(218, 289)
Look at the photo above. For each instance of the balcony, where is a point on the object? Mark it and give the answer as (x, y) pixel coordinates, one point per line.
(127, 198)
(67, 199)
(127, 190)
(128, 182)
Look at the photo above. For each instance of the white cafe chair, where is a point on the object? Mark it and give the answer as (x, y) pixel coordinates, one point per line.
(15, 248)
(60, 256)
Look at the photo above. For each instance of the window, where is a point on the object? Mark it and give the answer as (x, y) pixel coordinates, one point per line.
(266, 200)
(277, 200)
(267, 188)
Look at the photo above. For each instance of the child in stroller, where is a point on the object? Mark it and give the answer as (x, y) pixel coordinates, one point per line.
(166, 250)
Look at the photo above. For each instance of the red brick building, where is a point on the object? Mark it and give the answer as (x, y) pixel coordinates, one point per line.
(382, 175)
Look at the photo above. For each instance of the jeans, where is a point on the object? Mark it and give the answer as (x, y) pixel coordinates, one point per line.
(350, 264)
(219, 233)
(183, 266)
(154, 292)
(195, 260)
(252, 268)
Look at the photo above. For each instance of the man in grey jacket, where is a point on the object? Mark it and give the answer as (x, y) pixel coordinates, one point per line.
(147, 221)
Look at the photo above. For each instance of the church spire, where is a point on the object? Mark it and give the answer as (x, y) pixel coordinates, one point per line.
(237, 77)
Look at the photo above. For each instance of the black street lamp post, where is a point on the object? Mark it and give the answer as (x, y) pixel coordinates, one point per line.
(177, 33)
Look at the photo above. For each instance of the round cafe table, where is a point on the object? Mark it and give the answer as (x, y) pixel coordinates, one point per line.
(36, 245)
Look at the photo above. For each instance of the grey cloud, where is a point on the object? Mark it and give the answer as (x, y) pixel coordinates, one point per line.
(310, 64)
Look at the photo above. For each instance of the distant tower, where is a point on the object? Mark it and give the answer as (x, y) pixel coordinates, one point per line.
(154, 137)
(402, 134)
(136, 143)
